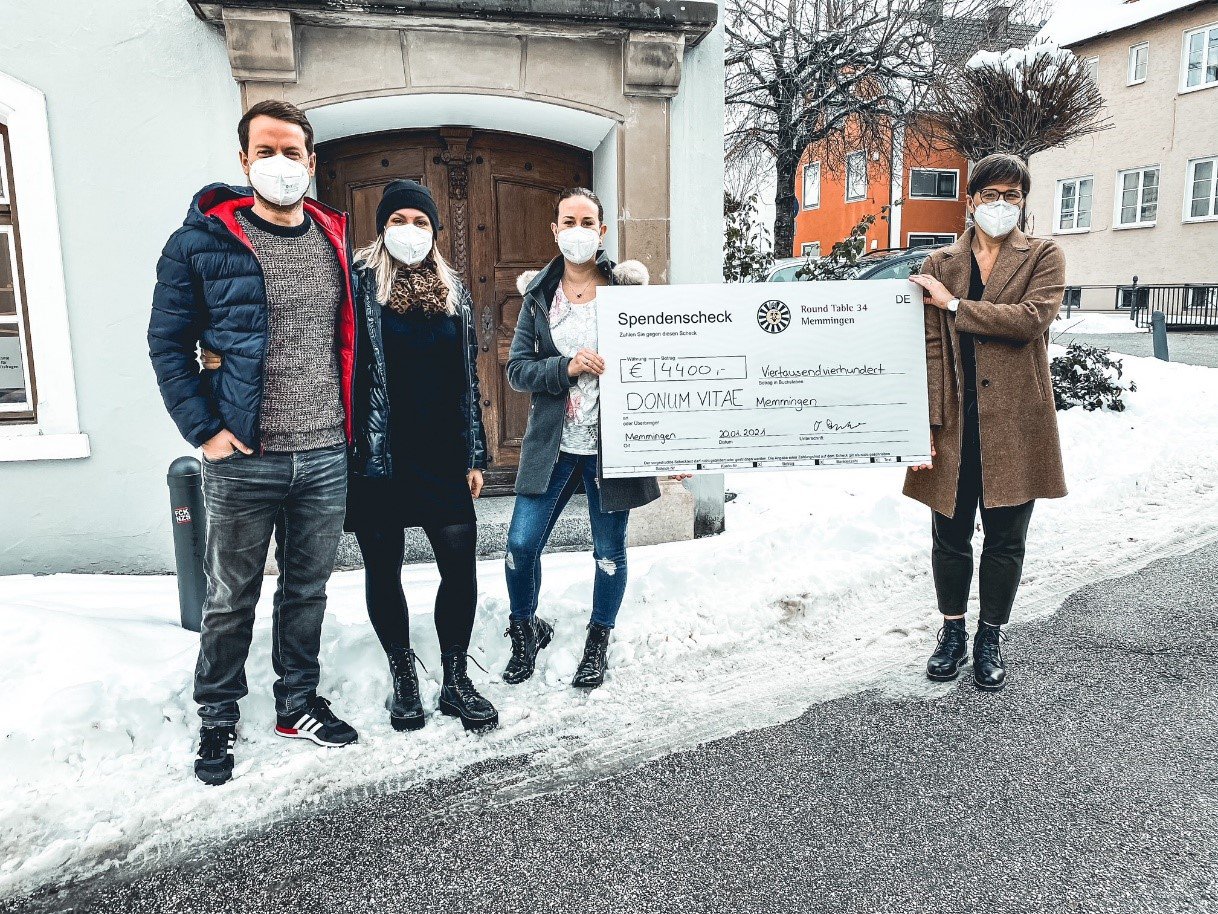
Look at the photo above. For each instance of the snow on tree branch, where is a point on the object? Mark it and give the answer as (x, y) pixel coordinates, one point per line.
(1021, 101)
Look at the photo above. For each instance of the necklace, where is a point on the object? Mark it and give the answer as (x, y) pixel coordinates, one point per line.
(587, 285)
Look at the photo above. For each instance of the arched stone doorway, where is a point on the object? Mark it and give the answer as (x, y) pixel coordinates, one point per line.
(495, 193)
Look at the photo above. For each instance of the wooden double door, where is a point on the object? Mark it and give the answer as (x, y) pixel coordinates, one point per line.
(496, 194)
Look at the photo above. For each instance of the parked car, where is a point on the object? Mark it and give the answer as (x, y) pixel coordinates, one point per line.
(892, 263)
(785, 268)
(896, 263)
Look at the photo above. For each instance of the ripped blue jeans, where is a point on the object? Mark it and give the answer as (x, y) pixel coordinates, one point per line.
(533, 521)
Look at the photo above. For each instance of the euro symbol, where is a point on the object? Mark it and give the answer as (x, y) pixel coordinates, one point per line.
(636, 370)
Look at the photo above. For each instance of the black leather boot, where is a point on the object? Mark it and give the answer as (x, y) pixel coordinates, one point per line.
(591, 670)
(951, 654)
(405, 705)
(988, 670)
(528, 637)
(459, 698)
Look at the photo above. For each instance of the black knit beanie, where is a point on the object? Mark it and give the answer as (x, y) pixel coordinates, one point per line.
(406, 194)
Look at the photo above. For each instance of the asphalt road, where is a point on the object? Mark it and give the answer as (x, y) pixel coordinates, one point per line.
(1089, 785)
(1188, 348)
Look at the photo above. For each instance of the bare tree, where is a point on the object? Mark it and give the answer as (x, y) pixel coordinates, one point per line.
(839, 73)
(1022, 101)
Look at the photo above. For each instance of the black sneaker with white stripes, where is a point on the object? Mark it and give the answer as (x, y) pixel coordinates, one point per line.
(316, 723)
(215, 762)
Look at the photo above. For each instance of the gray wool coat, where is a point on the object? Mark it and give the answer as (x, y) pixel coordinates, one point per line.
(1021, 456)
(536, 367)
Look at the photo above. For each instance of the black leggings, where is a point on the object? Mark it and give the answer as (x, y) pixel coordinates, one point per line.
(454, 548)
(1006, 536)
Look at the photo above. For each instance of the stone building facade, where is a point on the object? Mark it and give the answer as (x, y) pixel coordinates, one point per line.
(494, 105)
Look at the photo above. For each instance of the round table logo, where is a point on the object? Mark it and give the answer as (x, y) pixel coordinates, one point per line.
(774, 316)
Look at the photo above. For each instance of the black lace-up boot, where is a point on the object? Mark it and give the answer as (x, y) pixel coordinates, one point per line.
(528, 637)
(988, 670)
(591, 670)
(951, 654)
(405, 705)
(215, 762)
(459, 698)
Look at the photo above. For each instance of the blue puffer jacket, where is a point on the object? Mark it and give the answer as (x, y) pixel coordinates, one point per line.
(210, 290)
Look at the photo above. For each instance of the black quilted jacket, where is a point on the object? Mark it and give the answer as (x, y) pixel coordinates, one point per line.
(371, 456)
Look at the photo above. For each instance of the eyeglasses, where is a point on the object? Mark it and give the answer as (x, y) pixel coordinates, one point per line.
(989, 195)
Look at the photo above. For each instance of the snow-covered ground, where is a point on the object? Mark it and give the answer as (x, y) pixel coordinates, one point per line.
(819, 588)
(1095, 322)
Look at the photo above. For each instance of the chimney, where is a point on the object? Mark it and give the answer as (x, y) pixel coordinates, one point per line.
(998, 20)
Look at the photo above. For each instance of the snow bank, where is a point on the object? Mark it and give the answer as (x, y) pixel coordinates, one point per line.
(820, 588)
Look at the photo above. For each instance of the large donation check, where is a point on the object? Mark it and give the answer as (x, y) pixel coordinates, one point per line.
(762, 376)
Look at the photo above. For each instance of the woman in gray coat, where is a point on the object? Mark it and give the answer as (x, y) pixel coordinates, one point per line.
(554, 358)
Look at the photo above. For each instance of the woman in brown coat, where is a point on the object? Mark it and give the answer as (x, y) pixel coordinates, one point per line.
(990, 299)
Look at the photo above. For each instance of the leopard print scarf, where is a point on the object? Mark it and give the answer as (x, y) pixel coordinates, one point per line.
(418, 287)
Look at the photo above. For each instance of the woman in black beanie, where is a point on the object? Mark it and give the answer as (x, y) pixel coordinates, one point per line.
(420, 447)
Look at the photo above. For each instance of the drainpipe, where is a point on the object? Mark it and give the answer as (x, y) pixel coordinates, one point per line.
(896, 185)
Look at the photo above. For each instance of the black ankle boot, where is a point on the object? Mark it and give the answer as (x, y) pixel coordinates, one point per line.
(528, 637)
(591, 670)
(951, 654)
(459, 698)
(405, 705)
(988, 670)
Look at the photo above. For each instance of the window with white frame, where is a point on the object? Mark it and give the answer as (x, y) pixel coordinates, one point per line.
(1202, 186)
(926, 239)
(16, 376)
(811, 195)
(1200, 58)
(1139, 56)
(38, 414)
(856, 176)
(1074, 196)
(1137, 197)
(1091, 66)
(810, 249)
(934, 184)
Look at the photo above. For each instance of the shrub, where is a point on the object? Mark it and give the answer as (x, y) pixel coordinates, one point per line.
(1084, 377)
(746, 257)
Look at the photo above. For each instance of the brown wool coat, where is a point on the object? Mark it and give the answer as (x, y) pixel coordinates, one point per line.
(1020, 451)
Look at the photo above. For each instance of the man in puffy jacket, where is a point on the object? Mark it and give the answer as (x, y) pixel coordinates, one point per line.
(261, 275)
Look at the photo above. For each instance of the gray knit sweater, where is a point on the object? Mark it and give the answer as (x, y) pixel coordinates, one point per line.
(302, 405)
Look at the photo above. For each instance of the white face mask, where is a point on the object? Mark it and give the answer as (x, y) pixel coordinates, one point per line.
(279, 179)
(408, 244)
(578, 245)
(997, 219)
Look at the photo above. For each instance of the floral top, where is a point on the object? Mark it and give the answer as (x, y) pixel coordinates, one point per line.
(573, 327)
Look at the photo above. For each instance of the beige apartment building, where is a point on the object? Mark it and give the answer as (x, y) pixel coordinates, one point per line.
(1142, 198)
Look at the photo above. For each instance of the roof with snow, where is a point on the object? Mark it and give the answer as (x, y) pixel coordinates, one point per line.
(958, 38)
(1076, 21)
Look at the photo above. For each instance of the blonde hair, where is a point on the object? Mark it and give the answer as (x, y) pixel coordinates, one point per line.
(377, 258)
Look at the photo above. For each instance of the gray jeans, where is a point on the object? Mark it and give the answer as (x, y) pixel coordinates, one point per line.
(301, 498)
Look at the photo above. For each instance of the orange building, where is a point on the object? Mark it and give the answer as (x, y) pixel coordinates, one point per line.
(929, 185)
(929, 192)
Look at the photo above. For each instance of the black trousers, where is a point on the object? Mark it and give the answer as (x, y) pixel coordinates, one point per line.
(1002, 552)
(384, 548)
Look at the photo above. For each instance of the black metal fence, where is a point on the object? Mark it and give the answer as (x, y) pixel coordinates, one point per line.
(1188, 306)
